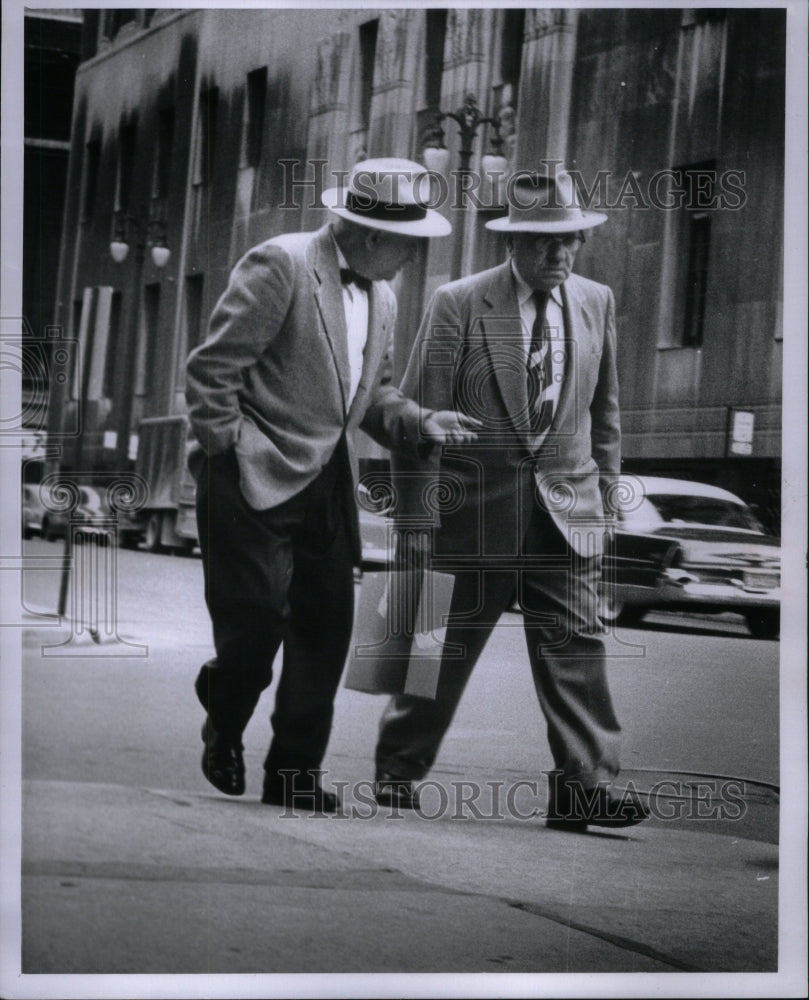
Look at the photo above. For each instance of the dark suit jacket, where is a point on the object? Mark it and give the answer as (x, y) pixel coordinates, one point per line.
(272, 378)
(470, 356)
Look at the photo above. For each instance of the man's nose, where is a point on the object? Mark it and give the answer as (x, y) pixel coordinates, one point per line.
(555, 249)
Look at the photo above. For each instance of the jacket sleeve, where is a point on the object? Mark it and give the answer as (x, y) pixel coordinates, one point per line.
(245, 320)
(395, 417)
(604, 411)
(393, 420)
(428, 380)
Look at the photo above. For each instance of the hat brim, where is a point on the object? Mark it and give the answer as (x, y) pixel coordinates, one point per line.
(587, 220)
(433, 224)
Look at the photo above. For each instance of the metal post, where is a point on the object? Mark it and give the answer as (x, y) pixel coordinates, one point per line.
(67, 559)
(130, 353)
(469, 119)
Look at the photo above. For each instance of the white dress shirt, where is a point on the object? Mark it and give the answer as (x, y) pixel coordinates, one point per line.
(355, 304)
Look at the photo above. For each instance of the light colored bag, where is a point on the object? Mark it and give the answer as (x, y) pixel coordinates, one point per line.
(399, 631)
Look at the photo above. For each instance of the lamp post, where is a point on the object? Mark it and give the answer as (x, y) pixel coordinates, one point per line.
(147, 231)
(436, 156)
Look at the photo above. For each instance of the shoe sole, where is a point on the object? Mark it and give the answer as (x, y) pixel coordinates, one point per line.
(580, 825)
(299, 802)
(395, 802)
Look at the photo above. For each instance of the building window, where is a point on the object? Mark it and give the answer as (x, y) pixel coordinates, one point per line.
(112, 345)
(161, 176)
(206, 140)
(698, 243)
(510, 61)
(92, 159)
(255, 104)
(126, 159)
(116, 18)
(147, 340)
(193, 319)
(507, 80)
(75, 332)
(368, 36)
(436, 33)
(696, 185)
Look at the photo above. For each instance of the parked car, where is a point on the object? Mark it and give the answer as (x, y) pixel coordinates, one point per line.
(33, 510)
(91, 507)
(678, 546)
(691, 547)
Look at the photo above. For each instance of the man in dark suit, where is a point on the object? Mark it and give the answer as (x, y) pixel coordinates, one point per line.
(528, 348)
(298, 356)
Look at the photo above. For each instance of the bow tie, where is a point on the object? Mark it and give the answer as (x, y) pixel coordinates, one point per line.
(349, 277)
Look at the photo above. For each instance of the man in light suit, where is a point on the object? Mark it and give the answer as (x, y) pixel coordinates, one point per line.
(528, 348)
(298, 356)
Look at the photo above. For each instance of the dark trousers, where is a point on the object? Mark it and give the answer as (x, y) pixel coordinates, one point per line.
(558, 593)
(283, 575)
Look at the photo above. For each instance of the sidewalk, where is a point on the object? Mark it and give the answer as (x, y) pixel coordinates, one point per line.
(141, 880)
(123, 878)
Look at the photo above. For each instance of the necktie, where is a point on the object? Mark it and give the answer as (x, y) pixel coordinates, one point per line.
(540, 369)
(349, 277)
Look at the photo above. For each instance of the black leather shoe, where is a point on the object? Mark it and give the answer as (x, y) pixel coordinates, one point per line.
(582, 807)
(285, 790)
(202, 682)
(395, 792)
(222, 761)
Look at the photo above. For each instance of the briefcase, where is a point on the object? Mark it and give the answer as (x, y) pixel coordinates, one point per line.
(399, 630)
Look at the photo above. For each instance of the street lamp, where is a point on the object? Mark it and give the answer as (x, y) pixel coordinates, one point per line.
(436, 156)
(148, 231)
(151, 233)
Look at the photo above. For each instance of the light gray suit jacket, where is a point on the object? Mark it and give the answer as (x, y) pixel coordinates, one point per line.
(469, 356)
(272, 379)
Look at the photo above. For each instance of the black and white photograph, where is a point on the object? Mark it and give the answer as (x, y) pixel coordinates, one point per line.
(404, 500)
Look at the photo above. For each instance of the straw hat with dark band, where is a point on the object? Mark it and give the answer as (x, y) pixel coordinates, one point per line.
(388, 194)
(544, 203)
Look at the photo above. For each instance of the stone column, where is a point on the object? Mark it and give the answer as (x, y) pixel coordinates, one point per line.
(329, 114)
(397, 62)
(546, 82)
(467, 70)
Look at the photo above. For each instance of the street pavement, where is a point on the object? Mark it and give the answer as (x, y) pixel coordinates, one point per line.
(133, 865)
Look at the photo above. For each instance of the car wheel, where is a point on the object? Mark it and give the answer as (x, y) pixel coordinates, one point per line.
(153, 533)
(764, 623)
(187, 548)
(47, 531)
(615, 611)
(631, 616)
(610, 607)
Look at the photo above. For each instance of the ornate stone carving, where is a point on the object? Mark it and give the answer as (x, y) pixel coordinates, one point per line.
(394, 27)
(465, 30)
(326, 87)
(541, 21)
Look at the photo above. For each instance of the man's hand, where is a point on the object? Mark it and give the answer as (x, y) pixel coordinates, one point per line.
(450, 427)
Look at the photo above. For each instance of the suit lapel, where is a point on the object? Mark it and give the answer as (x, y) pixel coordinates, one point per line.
(329, 299)
(579, 336)
(502, 329)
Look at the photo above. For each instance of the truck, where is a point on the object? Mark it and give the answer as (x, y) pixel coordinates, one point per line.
(168, 519)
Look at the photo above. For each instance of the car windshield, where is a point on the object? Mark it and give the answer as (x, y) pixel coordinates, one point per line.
(711, 511)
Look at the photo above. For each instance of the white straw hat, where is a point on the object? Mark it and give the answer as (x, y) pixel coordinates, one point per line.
(544, 203)
(390, 194)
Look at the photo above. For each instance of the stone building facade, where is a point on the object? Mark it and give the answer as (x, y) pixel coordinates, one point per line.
(211, 130)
